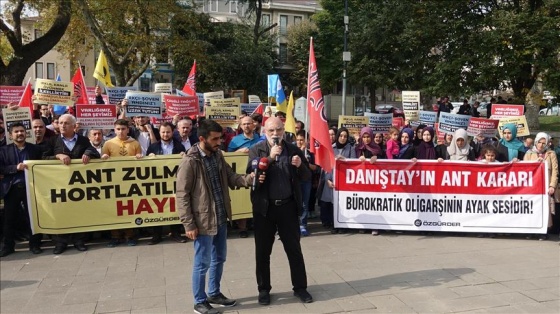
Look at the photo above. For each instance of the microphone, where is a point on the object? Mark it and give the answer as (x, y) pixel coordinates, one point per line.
(276, 141)
(263, 164)
(255, 168)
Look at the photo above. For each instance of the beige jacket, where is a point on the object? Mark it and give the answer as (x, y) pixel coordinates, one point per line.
(550, 158)
(195, 202)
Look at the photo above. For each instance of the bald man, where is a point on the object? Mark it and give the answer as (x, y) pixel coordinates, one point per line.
(277, 205)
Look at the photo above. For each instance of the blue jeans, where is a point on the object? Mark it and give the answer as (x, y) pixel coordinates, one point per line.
(209, 254)
(305, 194)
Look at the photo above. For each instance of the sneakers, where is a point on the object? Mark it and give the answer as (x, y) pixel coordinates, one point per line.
(303, 231)
(205, 308)
(374, 232)
(221, 299)
(243, 234)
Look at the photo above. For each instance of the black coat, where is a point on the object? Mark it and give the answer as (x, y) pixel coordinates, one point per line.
(156, 149)
(9, 161)
(82, 147)
(259, 197)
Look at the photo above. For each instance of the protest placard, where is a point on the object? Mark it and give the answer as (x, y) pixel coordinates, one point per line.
(213, 95)
(506, 110)
(450, 122)
(428, 118)
(379, 122)
(248, 108)
(354, 124)
(398, 122)
(441, 196)
(226, 102)
(520, 122)
(143, 104)
(54, 92)
(411, 104)
(21, 115)
(163, 88)
(482, 127)
(10, 94)
(116, 94)
(225, 116)
(96, 116)
(121, 192)
(183, 106)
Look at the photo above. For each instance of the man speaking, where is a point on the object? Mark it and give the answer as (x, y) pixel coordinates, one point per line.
(277, 203)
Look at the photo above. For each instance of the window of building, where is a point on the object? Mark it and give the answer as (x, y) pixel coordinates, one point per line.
(283, 24)
(205, 6)
(83, 70)
(233, 7)
(283, 55)
(213, 5)
(297, 20)
(38, 33)
(39, 70)
(265, 20)
(50, 71)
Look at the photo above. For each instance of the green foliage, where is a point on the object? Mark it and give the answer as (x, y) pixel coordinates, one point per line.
(226, 55)
(298, 46)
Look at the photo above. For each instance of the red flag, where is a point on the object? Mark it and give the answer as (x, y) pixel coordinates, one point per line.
(259, 109)
(324, 154)
(190, 84)
(26, 100)
(80, 90)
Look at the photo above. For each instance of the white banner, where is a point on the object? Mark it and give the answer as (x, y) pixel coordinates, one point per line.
(442, 196)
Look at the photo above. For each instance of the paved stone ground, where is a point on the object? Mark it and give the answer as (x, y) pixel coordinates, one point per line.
(357, 273)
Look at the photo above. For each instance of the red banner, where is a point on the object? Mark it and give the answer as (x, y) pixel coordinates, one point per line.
(96, 116)
(183, 106)
(10, 94)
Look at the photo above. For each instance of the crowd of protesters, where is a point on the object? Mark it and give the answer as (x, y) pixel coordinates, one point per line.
(60, 137)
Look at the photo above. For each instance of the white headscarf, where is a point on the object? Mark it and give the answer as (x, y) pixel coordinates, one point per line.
(456, 153)
(539, 137)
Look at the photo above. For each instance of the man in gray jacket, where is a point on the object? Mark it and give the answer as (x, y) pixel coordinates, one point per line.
(204, 207)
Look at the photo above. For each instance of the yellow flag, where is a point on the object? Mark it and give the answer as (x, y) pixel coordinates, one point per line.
(102, 70)
(290, 124)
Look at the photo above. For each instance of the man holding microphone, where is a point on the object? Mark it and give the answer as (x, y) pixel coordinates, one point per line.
(277, 203)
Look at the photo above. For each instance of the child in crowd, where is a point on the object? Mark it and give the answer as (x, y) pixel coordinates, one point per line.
(393, 143)
(489, 153)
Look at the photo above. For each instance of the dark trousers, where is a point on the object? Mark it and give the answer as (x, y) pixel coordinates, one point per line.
(13, 210)
(284, 219)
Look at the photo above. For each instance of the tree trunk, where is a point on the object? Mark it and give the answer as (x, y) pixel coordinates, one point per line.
(533, 101)
(25, 55)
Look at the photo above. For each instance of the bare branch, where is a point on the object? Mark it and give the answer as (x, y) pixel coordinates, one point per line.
(137, 74)
(16, 45)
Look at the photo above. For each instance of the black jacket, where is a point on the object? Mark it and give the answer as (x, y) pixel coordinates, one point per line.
(9, 161)
(82, 147)
(156, 149)
(259, 197)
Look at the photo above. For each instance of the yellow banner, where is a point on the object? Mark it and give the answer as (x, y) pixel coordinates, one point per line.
(521, 122)
(225, 116)
(354, 124)
(114, 194)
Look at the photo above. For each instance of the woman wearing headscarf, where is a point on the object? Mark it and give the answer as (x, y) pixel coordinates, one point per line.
(366, 148)
(426, 149)
(459, 149)
(510, 148)
(542, 153)
(406, 147)
(342, 146)
(342, 149)
(417, 140)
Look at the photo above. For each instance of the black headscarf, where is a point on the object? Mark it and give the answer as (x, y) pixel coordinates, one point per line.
(337, 143)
